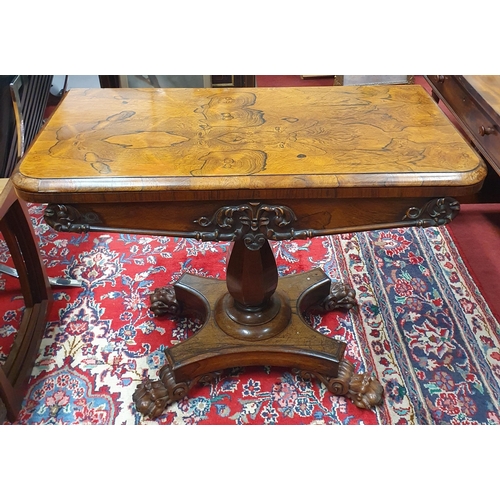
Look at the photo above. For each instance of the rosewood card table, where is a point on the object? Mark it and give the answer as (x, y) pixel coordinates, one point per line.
(249, 166)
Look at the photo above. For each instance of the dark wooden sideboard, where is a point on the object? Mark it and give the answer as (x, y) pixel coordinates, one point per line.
(474, 100)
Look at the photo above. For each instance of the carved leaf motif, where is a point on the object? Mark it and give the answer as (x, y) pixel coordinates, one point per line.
(254, 222)
(438, 211)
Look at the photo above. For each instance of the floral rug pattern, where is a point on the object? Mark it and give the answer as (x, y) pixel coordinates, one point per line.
(421, 327)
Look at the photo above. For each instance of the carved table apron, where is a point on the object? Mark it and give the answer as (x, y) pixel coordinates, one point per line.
(247, 167)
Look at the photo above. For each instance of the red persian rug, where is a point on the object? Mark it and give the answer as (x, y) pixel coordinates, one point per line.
(421, 327)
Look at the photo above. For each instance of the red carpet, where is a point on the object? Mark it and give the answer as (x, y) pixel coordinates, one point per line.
(476, 232)
(420, 327)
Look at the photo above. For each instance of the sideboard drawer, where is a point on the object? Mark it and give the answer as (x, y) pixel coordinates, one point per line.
(481, 128)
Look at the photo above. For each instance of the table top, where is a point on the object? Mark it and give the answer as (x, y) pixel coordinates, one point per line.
(187, 140)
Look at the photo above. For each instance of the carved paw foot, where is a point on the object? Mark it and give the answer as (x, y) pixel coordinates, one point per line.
(164, 302)
(341, 296)
(365, 391)
(151, 398)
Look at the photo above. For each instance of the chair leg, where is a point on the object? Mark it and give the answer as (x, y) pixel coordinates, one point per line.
(17, 230)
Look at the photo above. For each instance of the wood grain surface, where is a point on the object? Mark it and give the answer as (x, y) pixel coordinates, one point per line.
(488, 87)
(170, 141)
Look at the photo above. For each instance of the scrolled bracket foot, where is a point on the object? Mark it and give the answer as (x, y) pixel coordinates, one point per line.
(152, 397)
(164, 302)
(363, 390)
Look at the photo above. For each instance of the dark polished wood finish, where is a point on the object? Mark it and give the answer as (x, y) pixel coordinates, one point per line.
(293, 344)
(233, 80)
(109, 81)
(249, 166)
(475, 102)
(17, 230)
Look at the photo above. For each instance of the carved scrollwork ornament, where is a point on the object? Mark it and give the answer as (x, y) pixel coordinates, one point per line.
(253, 222)
(335, 385)
(435, 212)
(254, 241)
(66, 218)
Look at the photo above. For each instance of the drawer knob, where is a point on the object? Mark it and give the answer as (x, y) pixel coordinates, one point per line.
(486, 130)
(440, 78)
